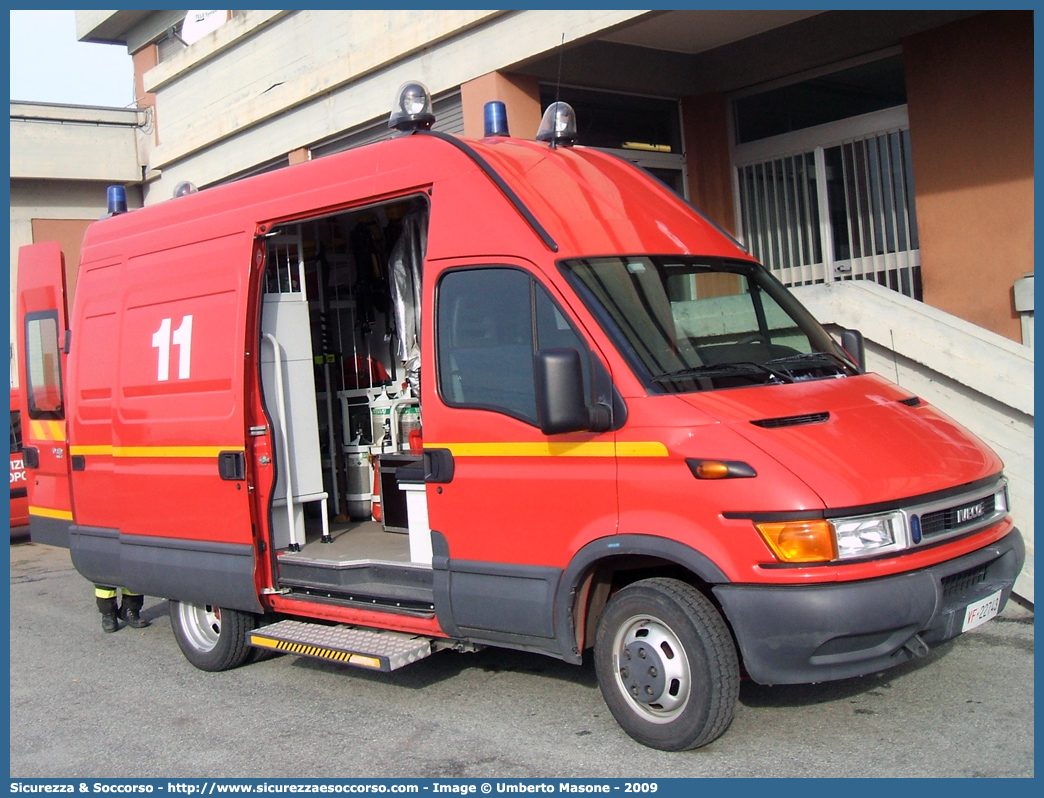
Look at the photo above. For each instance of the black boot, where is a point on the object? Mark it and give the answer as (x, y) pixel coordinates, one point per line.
(130, 611)
(107, 607)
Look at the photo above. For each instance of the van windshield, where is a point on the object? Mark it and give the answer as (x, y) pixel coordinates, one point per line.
(690, 325)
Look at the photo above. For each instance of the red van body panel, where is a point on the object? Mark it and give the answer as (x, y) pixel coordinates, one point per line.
(845, 457)
(156, 439)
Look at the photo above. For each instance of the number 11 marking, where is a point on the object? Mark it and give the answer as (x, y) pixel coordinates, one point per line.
(182, 338)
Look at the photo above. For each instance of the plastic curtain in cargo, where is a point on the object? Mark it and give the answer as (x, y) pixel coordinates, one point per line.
(407, 258)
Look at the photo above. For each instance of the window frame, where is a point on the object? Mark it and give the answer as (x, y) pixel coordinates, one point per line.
(35, 413)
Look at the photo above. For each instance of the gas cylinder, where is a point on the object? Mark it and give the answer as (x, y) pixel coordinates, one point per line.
(358, 476)
(407, 410)
(380, 417)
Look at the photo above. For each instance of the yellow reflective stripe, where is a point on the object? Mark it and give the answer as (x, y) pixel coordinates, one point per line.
(308, 650)
(104, 593)
(47, 512)
(154, 451)
(43, 430)
(172, 451)
(534, 449)
(556, 449)
(640, 449)
(90, 450)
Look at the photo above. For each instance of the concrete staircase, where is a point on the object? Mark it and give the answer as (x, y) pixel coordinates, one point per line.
(978, 378)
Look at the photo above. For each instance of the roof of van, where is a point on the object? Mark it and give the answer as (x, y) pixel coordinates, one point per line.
(580, 202)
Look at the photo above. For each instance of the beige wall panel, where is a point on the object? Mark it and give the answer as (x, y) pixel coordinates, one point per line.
(52, 150)
(498, 44)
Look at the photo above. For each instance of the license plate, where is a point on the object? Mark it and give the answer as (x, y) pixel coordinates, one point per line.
(981, 611)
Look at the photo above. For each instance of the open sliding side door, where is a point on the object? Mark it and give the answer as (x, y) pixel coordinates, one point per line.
(42, 335)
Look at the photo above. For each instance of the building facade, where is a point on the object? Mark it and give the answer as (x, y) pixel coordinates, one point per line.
(882, 145)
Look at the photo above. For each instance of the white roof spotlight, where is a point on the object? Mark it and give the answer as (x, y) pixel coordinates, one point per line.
(558, 126)
(412, 108)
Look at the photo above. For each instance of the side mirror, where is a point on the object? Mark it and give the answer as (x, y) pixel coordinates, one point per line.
(852, 343)
(561, 406)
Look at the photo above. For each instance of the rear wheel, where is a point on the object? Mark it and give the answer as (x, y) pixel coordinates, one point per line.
(666, 665)
(210, 637)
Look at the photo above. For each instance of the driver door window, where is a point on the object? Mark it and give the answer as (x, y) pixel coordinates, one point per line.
(491, 321)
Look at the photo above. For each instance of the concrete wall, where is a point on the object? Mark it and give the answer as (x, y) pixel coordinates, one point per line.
(306, 75)
(67, 142)
(982, 380)
(970, 101)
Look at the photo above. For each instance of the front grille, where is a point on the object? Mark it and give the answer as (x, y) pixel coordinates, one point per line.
(958, 584)
(791, 421)
(951, 519)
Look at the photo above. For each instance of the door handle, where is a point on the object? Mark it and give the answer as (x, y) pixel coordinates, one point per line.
(30, 457)
(438, 466)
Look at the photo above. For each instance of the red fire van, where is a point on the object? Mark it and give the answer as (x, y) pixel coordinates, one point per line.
(634, 439)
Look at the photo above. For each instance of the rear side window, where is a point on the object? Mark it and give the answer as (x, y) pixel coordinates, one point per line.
(16, 432)
(43, 366)
(491, 322)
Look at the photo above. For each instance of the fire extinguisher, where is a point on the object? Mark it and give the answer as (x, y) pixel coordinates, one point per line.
(375, 496)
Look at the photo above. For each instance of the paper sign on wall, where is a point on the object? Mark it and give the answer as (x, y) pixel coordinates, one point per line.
(199, 23)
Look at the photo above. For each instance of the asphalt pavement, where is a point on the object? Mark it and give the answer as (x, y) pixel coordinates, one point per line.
(89, 704)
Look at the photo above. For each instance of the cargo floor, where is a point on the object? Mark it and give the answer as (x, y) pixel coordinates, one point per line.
(362, 564)
(361, 541)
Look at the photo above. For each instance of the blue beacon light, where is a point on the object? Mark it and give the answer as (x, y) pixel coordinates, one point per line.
(117, 200)
(495, 119)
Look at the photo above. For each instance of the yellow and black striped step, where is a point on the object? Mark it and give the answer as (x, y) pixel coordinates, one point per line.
(379, 650)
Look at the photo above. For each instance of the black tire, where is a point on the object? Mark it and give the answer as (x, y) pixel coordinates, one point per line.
(212, 638)
(684, 696)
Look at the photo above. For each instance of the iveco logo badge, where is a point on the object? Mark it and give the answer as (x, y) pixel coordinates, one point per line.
(966, 514)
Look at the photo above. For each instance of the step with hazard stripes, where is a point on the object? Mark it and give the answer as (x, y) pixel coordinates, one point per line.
(376, 649)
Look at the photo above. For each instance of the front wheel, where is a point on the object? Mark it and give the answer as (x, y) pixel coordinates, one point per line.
(666, 665)
(211, 638)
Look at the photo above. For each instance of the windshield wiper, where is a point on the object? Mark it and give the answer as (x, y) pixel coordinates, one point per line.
(813, 358)
(710, 369)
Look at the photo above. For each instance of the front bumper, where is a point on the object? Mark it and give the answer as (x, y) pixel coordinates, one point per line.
(817, 633)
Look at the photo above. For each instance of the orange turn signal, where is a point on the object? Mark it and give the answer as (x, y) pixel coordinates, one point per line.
(800, 541)
(712, 469)
(719, 469)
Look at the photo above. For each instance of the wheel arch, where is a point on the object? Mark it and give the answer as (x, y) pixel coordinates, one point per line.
(585, 586)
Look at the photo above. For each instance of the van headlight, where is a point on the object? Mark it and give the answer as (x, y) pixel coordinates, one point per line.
(835, 539)
(869, 534)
